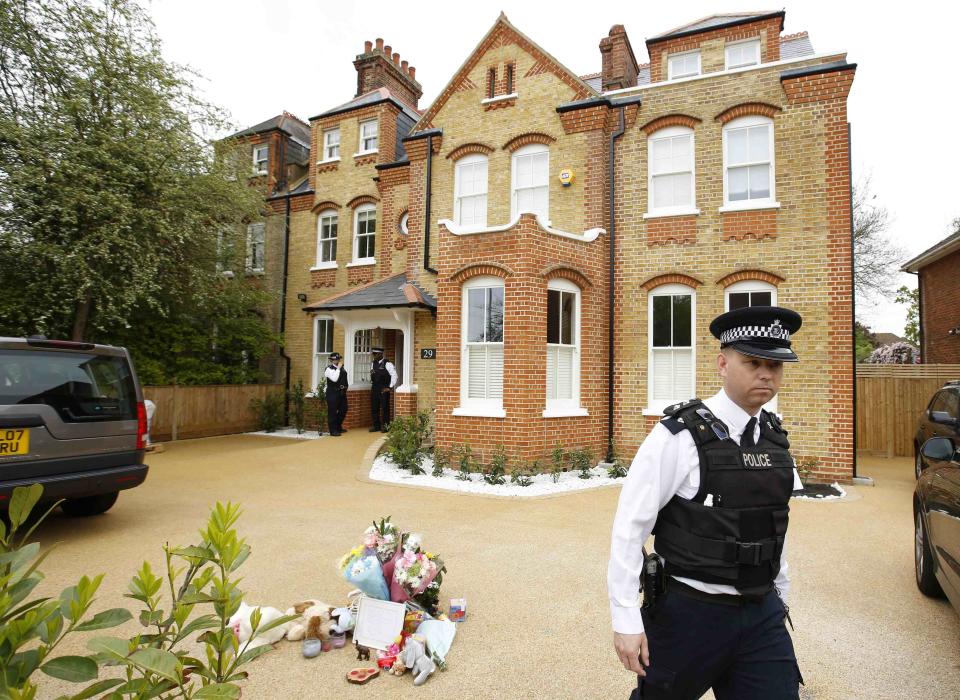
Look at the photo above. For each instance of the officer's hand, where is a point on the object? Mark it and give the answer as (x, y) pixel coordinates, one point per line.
(633, 651)
(386, 391)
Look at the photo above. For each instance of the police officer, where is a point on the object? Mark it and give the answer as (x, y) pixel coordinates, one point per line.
(336, 394)
(383, 378)
(712, 482)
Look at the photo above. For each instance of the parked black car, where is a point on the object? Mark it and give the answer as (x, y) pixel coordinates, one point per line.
(72, 418)
(936, 517)
(940, 419)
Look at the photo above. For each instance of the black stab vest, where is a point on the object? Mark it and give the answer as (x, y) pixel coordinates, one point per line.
(379, 376)
(738, 539)
(340, 385)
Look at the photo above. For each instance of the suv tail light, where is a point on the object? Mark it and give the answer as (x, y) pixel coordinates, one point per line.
(141, 426)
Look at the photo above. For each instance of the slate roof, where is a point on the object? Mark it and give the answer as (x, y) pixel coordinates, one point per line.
(373, 97)
(286, 122)
(713, 22)
(390, 292)
(795, 45)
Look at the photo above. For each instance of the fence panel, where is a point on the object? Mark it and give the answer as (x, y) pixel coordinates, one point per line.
(890, 399)
(201, 411)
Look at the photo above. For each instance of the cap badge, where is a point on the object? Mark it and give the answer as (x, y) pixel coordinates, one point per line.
(776, 331)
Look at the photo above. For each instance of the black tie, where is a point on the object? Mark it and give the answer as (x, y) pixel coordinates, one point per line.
(746, 440)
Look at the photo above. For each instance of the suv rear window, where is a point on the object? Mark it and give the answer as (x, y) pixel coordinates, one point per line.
(80, 386)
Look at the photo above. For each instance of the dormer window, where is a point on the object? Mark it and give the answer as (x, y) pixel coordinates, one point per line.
(743, 53)
(260, 154)
(368, 136)
(683, 65)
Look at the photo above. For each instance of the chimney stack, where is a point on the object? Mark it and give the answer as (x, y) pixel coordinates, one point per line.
(379, 44)
(619, 65)
(367, 46)
(378, 66)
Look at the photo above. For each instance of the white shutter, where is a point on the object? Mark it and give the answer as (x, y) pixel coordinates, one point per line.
(672, 375)
(495, 371)
(565, 372)
(551, 373)
(485, 371)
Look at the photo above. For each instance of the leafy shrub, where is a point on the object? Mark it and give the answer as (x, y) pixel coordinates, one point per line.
(317, 408)
(899, 353)
(806, 467)
(466, 462)
(582, 460)
(441, 460)
(405, 439)
(556, 467)
(616, 469)
(269, 410)
(522, 474)
(298, 406)
(498, 467)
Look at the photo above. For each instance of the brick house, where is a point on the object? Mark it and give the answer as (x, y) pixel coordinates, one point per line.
(541, 253)
(936, 270)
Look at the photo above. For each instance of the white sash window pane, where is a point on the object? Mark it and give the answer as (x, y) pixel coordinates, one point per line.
(759, 181)
(759, 143)
(485, 371)
(672, 375)
(494, 371)
(531, 183)
(476, 301)
(737, 146)
(737, 179)
(470, 205)
(362, 358)
(494, 315)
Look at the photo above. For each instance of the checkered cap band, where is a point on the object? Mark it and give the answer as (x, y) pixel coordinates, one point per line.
(772, 332)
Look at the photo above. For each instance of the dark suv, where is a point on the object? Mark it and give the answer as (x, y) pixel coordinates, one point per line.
(941, 419)
(72, 418)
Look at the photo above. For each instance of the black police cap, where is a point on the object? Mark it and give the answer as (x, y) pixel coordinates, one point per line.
(758, 331)
(335, 356)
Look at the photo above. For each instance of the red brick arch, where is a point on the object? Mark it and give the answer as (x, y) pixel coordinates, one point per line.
(362, 199)
(526, 139)
(671, 278)
(670, 120)
(567, 272)
(742, 275)
(469, 149)
(760, 109)
(317, 208)
(479, 269)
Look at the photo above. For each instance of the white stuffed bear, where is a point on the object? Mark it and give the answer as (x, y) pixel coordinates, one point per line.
(306, 610)
(242, 629)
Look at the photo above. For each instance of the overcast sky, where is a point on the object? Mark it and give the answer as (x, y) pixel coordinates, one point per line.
(260, 57)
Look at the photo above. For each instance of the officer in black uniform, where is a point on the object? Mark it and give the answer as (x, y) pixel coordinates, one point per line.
(712, 482)
(336, 394)
(383, 377)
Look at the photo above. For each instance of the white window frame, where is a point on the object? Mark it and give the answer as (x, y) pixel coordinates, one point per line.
(225, 249)
(361, 338)
(489, 407)
(320, 358)
(755, 42)
(529, 150)
(362, 209)
(753, 286)
(458, 198)
(556, 408)
(671, 133)
(405, 224)
(655, 406)
(672, 58)
(366, 138)
(331, 151)
(251, 245)
(265, 160)
(322, 260)
(768, 202)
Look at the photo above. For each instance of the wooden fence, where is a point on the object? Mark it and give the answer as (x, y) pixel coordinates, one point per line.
(201, 411)
(890, 399)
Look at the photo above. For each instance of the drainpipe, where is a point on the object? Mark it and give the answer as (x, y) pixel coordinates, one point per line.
(283, 309)
(853, 298)
(426, 213)
(611, 235)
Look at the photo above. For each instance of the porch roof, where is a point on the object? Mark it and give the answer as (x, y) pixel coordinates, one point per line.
(395, 291)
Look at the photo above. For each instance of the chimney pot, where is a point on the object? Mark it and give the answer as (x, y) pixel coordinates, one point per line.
(396, 59)
(367, 46)
(388, 50)
(403, 66)
(413, 72)
(379, 44)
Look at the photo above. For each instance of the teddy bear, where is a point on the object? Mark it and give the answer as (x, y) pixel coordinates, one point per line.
(306, 610)
(243, 630)
(414, 656)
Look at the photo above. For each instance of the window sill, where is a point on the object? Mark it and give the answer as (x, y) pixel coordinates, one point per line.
(253, 273)
(329, 160)
(749, 206)
(330, 265)
(568, 412)
(667, 214)
(499, 98)
(362, 261)
(366, 153)
(479, 411)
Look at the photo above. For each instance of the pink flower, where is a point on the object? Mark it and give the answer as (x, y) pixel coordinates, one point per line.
(370, 539)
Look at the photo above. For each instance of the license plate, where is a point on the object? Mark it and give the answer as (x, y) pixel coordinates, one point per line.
(14, 441)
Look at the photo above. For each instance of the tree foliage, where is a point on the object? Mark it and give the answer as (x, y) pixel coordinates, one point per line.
(876, 258)
(895, 354)
(910, 297)
(111, 198)
(865, 339)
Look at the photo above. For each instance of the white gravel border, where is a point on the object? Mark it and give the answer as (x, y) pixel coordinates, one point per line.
(290, 433)
(385, 470)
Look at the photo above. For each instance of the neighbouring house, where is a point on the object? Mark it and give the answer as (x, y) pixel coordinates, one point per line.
(541, 253)
(936, 271)
(888, 338)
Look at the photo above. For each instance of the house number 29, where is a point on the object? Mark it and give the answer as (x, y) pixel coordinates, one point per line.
(428, 353)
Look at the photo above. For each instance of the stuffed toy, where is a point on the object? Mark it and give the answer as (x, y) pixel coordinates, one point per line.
(343, 619)
(414, 656)
(306, 610)
(242, 629)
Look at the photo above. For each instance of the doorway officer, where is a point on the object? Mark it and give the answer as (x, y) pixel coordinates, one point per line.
(383, 378)
(336, 394)
(712, 482)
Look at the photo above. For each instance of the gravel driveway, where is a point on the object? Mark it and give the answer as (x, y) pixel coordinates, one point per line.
(533, 573)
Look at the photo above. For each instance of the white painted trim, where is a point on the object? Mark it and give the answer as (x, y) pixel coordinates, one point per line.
(748, 205)
(587, 236)
(667, 213)
(671, 132)
(747, 122)
(658, 412)
(671, 290)
(529, 149)
(565, 412)
(783, 62)
(684, 54)
(362, 261)
(355, 241)
(752, 40)
(406, 389)
(479, 411)
(331, 265)
(492, 407)
(499, 98)
(329, 160)
(472, 159)
(563, 406)
(366, 153)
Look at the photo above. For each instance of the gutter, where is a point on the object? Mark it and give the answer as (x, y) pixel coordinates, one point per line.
(283, 309)
(426, 213)
(853, 295)
(611, 233)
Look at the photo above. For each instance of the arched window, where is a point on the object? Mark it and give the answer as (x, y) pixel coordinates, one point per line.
(322, 347)
(563, 347)
(470, 192)
(671, 368)
(327, 224)
(531, 179)
(740, 295)
(481, 373)
(364, 234)
(748, 163)
(671, 171)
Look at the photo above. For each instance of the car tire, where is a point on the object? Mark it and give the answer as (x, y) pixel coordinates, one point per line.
(923, 560)
(90, 505)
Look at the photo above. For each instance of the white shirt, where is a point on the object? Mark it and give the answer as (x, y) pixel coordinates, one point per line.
(332, 373)
(665, 465)
(393, 373)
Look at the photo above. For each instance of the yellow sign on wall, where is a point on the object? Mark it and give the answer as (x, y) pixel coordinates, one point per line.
(566, 177)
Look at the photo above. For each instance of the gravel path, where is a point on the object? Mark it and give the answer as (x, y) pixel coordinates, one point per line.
(533, 572)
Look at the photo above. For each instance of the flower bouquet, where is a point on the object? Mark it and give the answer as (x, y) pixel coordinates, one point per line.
(362, 568)
(417, 575)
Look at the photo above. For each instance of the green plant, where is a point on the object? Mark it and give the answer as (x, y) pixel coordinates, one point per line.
(616, 469)
(466, 461)
(582, 460)
(806, 467)
(318, 407)
(556, 466)
(269, 411)
(405, 438)
(498, 466)
(522, 474)
(31, 629)
(157, 661)
(441, 460)
(298, 406)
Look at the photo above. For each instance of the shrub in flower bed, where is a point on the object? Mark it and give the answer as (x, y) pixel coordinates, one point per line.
(405, 441)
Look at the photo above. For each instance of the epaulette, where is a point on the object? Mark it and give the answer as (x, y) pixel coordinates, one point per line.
(676, 408)
(674, 425)
(773, 422)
